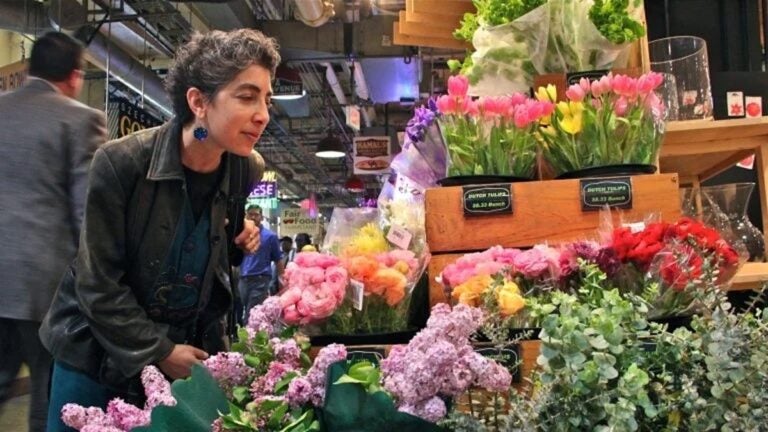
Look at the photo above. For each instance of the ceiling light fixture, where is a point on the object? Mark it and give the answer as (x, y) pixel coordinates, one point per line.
(330, 147)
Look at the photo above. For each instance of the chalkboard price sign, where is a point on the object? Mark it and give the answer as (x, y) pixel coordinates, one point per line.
(487, 199)
(614, 192)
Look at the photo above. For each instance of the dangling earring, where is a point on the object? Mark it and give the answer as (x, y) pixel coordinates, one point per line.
(200, 133)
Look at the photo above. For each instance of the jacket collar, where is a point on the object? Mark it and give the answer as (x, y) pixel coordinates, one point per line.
(166, 157)
(36, 83)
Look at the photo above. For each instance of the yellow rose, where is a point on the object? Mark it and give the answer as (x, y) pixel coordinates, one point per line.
(510, 301)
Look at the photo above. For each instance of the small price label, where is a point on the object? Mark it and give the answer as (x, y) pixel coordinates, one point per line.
(487, 200)
(614, 192)
(358, 294)
(399, 236)
(508, 357)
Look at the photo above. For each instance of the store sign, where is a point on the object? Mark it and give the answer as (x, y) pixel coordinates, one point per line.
(12, 76)
(284, 87)
(352, 113)
(486, 200)
(613, 192)
(264, 194)
(127, 118)
(372, 155)
(296, 220)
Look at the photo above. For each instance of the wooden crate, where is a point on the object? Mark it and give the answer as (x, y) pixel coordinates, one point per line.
(544, 211)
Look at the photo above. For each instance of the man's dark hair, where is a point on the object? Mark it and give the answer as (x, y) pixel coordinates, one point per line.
(54, 56)
(253, 207)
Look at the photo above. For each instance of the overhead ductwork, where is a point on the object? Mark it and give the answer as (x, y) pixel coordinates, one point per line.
(31, 17)
(314, 13)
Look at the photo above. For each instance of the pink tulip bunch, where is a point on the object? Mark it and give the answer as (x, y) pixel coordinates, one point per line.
(316, 286)
(490, 135)
(614, 120)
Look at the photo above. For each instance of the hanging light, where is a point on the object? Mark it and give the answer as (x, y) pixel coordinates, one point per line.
(330, 147)
(354, 184)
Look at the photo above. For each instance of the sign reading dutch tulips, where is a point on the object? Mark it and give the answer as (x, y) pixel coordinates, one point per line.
(372, 154)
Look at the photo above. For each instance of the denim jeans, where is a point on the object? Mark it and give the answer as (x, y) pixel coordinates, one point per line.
(254, 290)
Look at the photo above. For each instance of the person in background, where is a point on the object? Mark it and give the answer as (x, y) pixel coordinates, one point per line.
(47, 140)
(256, 273)
(286, 245)
(302, 240)
(148, 285)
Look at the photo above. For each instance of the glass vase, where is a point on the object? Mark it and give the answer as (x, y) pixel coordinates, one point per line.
(726, 210)
(683, 60)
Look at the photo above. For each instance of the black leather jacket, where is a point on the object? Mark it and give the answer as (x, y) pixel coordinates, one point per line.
(96, 323)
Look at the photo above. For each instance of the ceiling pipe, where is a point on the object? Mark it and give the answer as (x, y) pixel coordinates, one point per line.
(314, 13)
(25, 16)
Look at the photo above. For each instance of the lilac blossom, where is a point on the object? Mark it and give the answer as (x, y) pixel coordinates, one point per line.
(229, 370)
(286, 351)
(299, 392)
(264, 317)
(126, 416)
(156, 388)
(440, 361)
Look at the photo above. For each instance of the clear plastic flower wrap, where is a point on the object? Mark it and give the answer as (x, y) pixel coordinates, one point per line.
(384, 255)
(558, 36)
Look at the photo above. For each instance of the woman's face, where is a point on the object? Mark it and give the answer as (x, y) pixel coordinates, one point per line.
(239, 112)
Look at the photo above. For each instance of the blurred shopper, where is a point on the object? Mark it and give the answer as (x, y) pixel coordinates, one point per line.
(149, 282)
(47, 140)
(302, 240)
(263, 268)
(286, 246)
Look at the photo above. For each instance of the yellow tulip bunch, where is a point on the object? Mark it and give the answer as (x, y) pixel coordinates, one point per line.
(616, 120)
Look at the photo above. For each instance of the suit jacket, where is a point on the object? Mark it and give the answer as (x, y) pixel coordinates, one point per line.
(46, 143)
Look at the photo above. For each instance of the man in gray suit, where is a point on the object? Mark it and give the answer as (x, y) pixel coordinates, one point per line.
(47, 139)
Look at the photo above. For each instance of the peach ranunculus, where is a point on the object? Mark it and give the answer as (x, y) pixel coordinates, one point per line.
(471, 291)
(361, 267)
(388, 283)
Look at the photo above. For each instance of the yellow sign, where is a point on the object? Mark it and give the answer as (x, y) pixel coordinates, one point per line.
(12, 76)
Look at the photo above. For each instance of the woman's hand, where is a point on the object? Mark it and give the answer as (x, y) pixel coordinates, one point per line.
(179, 362)
(249, 239)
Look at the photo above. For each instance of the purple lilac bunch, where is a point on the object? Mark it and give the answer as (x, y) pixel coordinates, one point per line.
(265, 317)
(229, 370)
(121, 416)
(440, 362)
(311, 387)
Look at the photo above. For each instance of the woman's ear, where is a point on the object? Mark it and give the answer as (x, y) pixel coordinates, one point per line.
(197, 102)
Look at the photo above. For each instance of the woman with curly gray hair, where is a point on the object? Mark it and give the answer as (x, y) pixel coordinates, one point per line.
(148, 285)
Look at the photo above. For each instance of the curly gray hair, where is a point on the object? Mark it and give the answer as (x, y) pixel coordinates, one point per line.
(211, 60)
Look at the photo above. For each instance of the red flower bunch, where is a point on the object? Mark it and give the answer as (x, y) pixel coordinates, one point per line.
(639, 248)
(685, 245)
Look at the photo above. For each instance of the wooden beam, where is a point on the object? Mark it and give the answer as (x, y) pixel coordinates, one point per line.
(431, 20)
(425, 30)
(399, 38)
(443, 7)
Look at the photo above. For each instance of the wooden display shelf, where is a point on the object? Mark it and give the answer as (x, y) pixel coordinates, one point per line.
(750, 276)
(430, 23)
(697, 150)
(543, 211)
